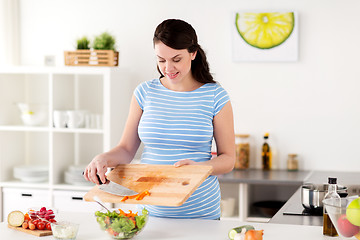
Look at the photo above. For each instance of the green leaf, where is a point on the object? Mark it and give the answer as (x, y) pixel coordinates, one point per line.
(122, 225)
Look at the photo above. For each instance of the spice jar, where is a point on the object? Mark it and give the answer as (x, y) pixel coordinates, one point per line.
(292, 162)
(242, 151)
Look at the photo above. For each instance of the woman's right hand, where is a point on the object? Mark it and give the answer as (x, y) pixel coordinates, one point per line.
(98, 166)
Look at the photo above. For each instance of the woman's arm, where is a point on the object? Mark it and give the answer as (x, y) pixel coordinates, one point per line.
(123, 153)
(225, 143)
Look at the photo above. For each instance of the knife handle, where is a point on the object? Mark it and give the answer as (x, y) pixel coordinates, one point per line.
(98, 177)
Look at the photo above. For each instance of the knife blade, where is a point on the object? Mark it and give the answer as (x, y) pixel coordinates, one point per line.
(115, 188)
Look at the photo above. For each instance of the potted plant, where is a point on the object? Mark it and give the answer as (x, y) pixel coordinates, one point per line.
(83, 43)
(103, 52)
(104, 41)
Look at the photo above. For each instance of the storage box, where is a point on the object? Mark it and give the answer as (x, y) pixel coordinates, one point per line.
(107, 58)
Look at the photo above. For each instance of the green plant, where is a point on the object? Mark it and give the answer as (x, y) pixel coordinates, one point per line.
(104, 41)
(83, 43)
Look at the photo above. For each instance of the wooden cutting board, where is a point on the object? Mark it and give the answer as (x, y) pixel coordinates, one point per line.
(168, 185)
(37, 232)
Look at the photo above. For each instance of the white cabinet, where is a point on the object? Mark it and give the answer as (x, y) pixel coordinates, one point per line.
(72, 201)
(22, 199)
(104, 92)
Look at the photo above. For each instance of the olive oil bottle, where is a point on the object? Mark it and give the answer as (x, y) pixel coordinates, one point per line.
(328, 226)
(266, 153)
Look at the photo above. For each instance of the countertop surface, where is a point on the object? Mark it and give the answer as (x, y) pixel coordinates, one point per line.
(187, 229)
(259, 176)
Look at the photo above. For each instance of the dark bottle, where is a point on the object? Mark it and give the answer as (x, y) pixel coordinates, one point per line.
(266, 153)
(328, 226)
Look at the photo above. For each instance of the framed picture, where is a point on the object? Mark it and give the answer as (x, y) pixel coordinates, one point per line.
(265, 36)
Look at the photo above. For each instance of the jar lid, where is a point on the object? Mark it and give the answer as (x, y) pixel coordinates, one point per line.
(242, 135)
(292, 154)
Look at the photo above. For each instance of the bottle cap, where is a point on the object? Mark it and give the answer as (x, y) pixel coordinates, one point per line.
(332, 180)
(266, 135)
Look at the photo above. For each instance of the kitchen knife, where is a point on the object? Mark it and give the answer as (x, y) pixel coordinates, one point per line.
(114, 188)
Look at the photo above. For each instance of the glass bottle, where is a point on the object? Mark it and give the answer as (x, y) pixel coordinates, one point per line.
(242, 151)
(292, 162)
(328, 226)
(266, 153)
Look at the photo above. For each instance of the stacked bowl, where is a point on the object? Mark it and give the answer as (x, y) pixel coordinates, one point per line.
(34, 173)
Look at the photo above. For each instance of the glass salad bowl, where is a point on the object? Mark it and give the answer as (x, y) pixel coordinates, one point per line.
(122, 224)
(345, 216)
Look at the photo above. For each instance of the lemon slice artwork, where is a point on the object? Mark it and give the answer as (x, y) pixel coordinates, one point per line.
(265, 30)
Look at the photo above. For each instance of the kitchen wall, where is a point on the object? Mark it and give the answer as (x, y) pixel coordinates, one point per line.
(310, 107)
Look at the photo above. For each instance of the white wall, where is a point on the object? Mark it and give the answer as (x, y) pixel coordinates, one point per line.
(310, 107)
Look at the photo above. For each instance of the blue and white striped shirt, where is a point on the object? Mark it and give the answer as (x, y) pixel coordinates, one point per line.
(176, 126)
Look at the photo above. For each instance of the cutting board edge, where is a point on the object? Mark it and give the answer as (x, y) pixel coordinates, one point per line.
(37, 233)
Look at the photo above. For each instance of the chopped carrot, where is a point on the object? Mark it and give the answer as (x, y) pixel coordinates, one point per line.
(142, 195)
(26, 216)
(122, 212)
(139, 196)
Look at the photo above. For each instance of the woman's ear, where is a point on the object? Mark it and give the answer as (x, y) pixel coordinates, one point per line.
(193, 55)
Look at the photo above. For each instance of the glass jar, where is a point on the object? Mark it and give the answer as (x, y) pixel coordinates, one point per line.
(242, 151)
(292, 162)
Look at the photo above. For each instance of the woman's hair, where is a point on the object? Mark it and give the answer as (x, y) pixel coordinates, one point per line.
(178, 34)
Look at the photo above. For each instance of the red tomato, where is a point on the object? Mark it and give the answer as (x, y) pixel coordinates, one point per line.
(36, 221)
(48, 226)
(52, 220)
(40, 225)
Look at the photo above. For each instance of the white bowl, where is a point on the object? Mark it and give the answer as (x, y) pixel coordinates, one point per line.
(35, 119)
(64, 230)
(33, 114)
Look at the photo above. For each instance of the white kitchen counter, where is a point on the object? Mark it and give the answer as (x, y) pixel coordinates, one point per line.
(172, 229)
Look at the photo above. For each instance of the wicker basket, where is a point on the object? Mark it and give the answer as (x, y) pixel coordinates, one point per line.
(91, 58)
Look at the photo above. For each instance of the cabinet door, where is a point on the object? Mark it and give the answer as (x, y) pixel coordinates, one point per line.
(72, 201)
(22, 199)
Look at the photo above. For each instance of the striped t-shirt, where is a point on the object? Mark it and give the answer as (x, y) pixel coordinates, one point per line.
(176, 126)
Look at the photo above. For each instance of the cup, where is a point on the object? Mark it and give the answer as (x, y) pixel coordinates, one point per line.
(227, 207)
(59, 119)
(76, 118)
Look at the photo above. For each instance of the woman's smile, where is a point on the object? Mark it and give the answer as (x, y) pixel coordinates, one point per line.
(172, 75)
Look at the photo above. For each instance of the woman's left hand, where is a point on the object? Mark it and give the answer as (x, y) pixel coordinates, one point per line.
(185, 162)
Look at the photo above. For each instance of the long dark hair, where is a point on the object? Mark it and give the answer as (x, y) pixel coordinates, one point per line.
(178, 34)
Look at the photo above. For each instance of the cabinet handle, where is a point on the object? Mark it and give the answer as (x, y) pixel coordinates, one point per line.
(76, 198)
(26, 195)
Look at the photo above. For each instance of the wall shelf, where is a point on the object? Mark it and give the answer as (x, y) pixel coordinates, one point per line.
(104, 92)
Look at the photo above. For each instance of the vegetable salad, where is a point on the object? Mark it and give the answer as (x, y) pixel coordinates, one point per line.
(121, 225)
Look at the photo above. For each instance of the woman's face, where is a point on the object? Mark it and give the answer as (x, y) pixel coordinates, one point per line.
(174, 64)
